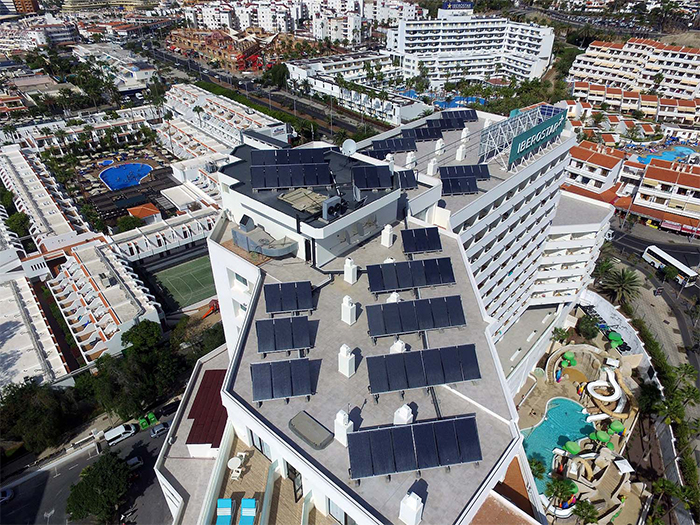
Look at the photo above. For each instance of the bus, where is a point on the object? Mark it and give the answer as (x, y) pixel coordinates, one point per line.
(659, 259)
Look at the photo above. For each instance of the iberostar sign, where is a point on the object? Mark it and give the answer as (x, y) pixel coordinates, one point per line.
(535, 138)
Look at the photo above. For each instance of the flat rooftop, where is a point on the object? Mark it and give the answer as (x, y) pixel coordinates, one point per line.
(573, 209)
(485, 397)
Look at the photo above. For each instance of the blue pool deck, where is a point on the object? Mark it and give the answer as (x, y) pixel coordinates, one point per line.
(564, 421)
(125, 175)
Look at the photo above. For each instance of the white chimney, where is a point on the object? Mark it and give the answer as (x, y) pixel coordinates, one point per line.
(411, 159)
(389, 260)
(440, 147)
(350, 271)
(348, 311)
(342, 425)
(394, 297)
(432, 167)
(346, 361)
(411, 512)
(403, 416)
(465, 134)
(461, 153)
(487, 123)
(390, 160)
(398, 347)
(387, 236)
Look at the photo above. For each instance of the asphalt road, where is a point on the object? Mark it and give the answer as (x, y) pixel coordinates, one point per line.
(42, 499)
(688, 254)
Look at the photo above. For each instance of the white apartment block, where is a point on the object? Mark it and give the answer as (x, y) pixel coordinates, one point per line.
(594, 166)
(272, 16)
(22, 36)
(641, 65)
(671, 188)
(337, 28)
(353, 67)
(455, 46)
(390, 12)
(520, 253)
(131, 72)
(100, 297)
(11, 249)
(225, 121)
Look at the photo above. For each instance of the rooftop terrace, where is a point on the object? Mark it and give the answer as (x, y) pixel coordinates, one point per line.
(485, 397)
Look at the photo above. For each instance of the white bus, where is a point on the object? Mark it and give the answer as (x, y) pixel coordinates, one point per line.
(659, 259)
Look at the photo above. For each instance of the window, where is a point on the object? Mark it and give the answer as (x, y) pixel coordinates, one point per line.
(242, 280)
(339, 514)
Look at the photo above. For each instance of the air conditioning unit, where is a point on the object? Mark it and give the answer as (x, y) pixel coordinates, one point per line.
(332, 207)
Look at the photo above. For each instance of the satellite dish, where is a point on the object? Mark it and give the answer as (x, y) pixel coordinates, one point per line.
(349, 147)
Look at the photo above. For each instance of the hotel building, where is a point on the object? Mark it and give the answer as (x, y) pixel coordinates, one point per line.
(641, 65)
(518, 253)
(456, 46)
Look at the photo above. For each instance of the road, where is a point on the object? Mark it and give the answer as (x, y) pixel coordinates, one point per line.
(688, 254)
(42, 499)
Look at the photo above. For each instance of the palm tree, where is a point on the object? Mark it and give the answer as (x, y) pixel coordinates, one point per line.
(669, 409)
(199, 110)
(537, 467)
(557, 489)
(684, 374)
(560, 335)
(340, 136)
(690, 395)
(622, 285)
(602, 268)
(585, 512)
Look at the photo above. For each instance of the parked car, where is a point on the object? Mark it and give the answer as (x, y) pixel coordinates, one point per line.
(159, 430)
(134, 463)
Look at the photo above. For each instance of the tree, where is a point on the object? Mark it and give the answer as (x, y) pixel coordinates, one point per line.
(690, 395)
(597, 118)
(669, 273)
(586, 327)
(585, 512)
(622, 285)
(602, 268)
(684, 374)
(127, 223)
(340, 136)
(146, 334)
(557, 489)
(198, 110)
(213, 337)
(19, 223)
(101, 488)
(560, 335)
(537, 467)
(670, 409)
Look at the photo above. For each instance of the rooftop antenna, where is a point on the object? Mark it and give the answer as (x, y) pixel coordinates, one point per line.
(349, 147)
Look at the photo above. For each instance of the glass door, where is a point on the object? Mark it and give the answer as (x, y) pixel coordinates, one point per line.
(261, 445)
(339, 515)
(296, 479)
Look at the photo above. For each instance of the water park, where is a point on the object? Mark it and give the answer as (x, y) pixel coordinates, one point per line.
(577, 415)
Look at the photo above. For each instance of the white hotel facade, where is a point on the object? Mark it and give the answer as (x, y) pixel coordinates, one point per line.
(456, 46)
(521, 250)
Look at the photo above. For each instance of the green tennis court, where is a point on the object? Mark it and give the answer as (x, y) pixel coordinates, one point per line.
(188, 282)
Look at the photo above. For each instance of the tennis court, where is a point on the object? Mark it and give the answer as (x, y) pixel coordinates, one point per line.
(188, 282)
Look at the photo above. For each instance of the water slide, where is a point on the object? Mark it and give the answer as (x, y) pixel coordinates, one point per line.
(617, 391)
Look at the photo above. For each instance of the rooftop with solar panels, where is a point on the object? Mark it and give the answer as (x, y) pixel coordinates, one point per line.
(472, 149)
(418, 339)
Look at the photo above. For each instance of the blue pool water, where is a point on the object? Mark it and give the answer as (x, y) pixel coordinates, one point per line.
(677, 153)
(563, 422)
(126, 175)
(106, 162)
(456, 102)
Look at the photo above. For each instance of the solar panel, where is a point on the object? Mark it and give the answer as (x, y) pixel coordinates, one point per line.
(377, 153)
(395, 145)
(422, 368)
(288, 297)
(431, 314)
(287, 156)
(421, 240)
(275, 176)
(407, 179)
(283, 334)
(422, 134)
(468, 115)
(391, 277)
(281, 379)
(459, 186)
(371, 177)
(384, 451)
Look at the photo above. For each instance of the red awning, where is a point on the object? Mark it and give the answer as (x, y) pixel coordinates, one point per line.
(689, 229)
(671, 225)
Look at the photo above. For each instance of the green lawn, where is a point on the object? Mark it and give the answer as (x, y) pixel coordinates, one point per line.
(188, 282)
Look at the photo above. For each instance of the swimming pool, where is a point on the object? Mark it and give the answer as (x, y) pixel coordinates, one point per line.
(677, 153)
(564, 421)
(125, 175)
(455, 102)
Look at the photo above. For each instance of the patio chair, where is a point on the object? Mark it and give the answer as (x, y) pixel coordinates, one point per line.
(242, 456)
(247, 512)
(236, 474)
(225, 509)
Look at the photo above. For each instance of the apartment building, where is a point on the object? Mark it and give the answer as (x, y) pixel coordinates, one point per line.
(594, 166)
(390, 12)
(88, 5)
(519, 254)
(22, 7)
(346, 29)
(456, 46)
(678, 111)
(269, 15)
(224, 120)
(369, 68)
(641, 65)
(130, 72)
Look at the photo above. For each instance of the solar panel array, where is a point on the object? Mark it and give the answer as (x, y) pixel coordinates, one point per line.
(283, 334)
(477, 171)
(288, 297)
(403, 448)
(391, 277)
(446, 124)
(281, 379)
(421, 240)
(395, 145)
(406, 317)
(377, 153)
(272, 176)
(286, 156)
(371, 177)
(468, 115)
(407, 179)
(424, 368)
(459, 186)
(422, 134)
